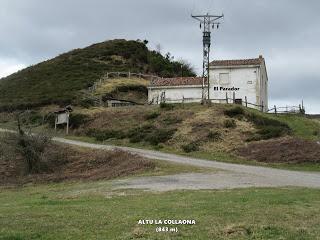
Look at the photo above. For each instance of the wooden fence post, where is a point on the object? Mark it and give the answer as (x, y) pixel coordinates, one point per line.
(226, 97)
(55, 122)
(67, 123)
(234, 97)
(246, 101)
(275, 109)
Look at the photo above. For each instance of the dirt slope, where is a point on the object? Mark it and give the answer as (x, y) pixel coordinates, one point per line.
(284, 150)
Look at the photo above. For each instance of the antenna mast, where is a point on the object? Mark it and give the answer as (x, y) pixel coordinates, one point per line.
(207, 22)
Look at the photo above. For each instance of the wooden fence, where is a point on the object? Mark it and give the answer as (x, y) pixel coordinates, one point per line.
(287, 110)
(275, 110)
(227, 99)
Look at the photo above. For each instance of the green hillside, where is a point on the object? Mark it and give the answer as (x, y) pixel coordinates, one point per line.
(58, 81)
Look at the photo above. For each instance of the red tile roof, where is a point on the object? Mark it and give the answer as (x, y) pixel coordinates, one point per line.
(179, 81)
(184, 81)
(240, 62)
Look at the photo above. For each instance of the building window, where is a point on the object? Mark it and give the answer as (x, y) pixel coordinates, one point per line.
(224, 78)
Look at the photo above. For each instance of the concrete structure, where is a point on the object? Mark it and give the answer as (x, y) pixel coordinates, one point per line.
(113, 102)
(242, 81)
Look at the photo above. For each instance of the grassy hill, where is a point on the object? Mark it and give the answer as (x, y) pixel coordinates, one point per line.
(219, 132)
(59, 80)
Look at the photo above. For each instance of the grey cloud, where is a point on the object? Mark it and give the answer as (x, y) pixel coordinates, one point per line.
(286, 32)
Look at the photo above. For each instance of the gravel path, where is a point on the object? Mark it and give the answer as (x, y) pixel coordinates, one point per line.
(231, 176)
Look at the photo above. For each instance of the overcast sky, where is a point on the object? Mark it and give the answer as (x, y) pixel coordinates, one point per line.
(285, 32)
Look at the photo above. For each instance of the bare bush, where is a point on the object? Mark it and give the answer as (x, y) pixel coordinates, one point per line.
(7, 143)
(31, 147)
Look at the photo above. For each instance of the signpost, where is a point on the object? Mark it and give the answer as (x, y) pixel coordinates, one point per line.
(62, 117)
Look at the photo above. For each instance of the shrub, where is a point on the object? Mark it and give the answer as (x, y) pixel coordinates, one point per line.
(214, 136)
(150, 134)
(267, 127)
(166, 106)
(137, 137)
(234, 111)
(271, 132)
(32, 148)
(35, 118)
(138, 134)
(87, 103)
(78, 119)
(50, 120)
(316, 133)
(190, 147)
(172, 120)
(30, 118)
(117, 62)
(8, 144)
(260, 120)
(102, 135)
(152, 115)
(37, 152)
(230, 123)
(159, 136)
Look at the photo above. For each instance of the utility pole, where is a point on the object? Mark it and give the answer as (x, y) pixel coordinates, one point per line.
(208, 22)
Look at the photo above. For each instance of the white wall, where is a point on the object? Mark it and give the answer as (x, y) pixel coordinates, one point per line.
(264, 86)
(176, 94)
(249, 81)
(246, 81)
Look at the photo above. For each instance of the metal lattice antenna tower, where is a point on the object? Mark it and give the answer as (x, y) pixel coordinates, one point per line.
(208, 22)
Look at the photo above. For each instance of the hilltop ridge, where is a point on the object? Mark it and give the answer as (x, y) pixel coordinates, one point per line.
(59, 80)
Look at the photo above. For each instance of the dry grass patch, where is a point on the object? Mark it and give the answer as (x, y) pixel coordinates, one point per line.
(198, 129)
(113, 83)
(70, 163)
(283, 150)
(118, 118)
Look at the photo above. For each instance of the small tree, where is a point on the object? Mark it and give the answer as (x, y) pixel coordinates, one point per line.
(145, 42)
(31, 146)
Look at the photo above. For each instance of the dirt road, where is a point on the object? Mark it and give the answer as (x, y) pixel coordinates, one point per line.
(230, 176)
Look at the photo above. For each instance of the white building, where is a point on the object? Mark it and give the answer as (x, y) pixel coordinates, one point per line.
(245, 81)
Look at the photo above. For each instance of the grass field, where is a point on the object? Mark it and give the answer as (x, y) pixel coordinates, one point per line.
(93, 211)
